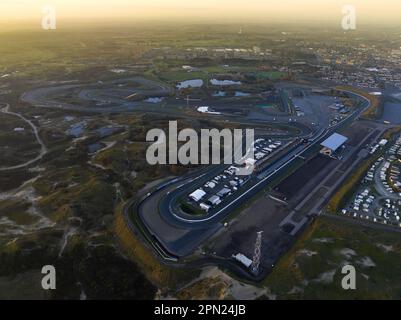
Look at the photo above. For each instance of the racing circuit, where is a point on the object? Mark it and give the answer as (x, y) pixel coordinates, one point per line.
(174, 234)
(177, 234)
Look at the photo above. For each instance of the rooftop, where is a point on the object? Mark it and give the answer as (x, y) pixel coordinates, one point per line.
(334, 141)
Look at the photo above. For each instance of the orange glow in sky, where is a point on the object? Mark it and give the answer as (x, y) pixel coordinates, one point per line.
(253, 10)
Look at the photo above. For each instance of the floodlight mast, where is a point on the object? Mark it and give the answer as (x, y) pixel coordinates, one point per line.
(257, 253)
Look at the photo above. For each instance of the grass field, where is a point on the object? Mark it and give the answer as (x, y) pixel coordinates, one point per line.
(176, 76)
(312, 268)
(16, 147)
(164, 277)
(349, 186)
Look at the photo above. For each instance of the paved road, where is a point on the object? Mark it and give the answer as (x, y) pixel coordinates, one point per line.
(46, 97)
(319, 203)
(273, 170)
(180, 234)
(42, 97)
(360, 222)
(43, 149)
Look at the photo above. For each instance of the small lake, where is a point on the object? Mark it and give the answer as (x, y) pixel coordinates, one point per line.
(241, 94)
(92, 148)
(154, 100)
(392, 112)
(106, 131)
(194, 83)
(216, 82)
(397, 95)
(77, 129)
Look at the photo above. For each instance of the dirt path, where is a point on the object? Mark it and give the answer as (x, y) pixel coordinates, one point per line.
(43, 149)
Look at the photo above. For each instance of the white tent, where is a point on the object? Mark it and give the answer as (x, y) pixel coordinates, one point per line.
(197, 194)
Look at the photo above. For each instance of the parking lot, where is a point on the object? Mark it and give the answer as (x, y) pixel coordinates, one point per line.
(378, 197)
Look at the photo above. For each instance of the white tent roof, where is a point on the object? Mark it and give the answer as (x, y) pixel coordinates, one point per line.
(197, 194)
(334, 141)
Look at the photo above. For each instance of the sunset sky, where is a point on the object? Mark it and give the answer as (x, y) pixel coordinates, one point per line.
(387, 11)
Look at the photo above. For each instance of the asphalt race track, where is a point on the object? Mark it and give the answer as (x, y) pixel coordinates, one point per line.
(179, 235)
(172, 233)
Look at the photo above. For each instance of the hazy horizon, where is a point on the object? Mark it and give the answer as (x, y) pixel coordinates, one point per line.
(386, 12)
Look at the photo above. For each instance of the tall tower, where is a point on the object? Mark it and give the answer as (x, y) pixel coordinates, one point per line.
(257, 253)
